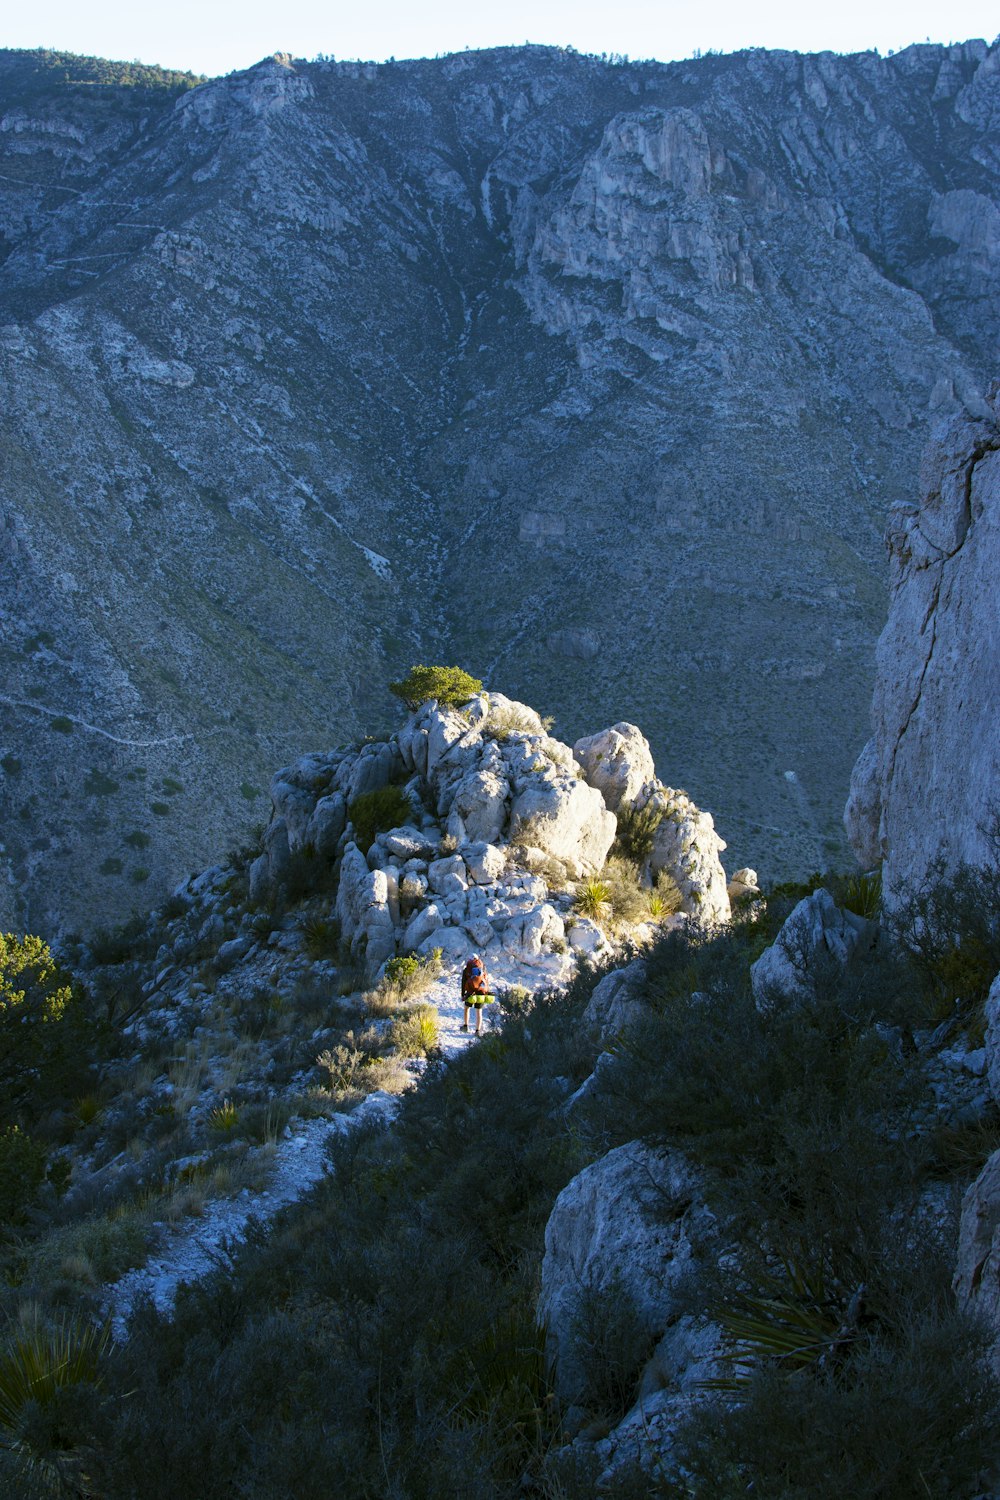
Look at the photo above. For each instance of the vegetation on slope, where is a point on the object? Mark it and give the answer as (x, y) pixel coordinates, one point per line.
(381, 1341)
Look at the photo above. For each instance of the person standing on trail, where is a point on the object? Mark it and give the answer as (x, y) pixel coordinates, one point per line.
(475, 991)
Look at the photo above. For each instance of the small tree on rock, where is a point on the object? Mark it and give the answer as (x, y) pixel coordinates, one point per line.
(449, 685)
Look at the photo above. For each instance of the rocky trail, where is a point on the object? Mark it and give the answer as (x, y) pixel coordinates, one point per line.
(196, 1247)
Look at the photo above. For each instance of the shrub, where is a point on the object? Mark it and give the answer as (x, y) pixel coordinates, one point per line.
(45, 1041)
(637, 831)
(224, 1117)
(449, 685)
(415, 1034)
(40, 1365)
(322, 936)
(376, 812)
(22, 1170)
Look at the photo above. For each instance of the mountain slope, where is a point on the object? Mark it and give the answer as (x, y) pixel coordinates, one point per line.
(599, 379)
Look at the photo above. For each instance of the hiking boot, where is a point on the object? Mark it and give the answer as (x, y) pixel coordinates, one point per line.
(463, 1027)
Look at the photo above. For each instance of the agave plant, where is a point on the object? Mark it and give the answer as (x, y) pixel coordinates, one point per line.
(38, 1360)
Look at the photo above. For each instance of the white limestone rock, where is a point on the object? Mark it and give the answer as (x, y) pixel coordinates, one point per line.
(448, 877)
(530, 936)
(815, 942)
(479, 807)
(484, 862)
(627, 1228)
(421, 925)
(326, 824)
(564, 817)
(687, 846)
(586, 938)
(927, 786)
(618, 761)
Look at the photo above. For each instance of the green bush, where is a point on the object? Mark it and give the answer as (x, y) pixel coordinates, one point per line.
(415, 1034)
(22, 1171)
(637, 831)
(45, 1039)
(376, 812)
(449, 685)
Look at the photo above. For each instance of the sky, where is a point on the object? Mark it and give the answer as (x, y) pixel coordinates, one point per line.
(216, 36)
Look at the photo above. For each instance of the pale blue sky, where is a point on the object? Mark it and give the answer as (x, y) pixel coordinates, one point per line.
(215, 36)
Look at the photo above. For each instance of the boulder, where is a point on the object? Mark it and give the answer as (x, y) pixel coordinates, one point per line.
(992, 1043)
(616, 1004)
(618, 761)
(271, 868)
(407, 843)
(294, 807)
(453, 942)
(478, 809)
(373, 770)
(743, 887)
(421, 925)
(586, 938)
(529, 936)
(566, 818)
(687, 847)
(814, 944)
(484, 862)
(448, 877)
(926, 788)
(363, 907)
(977, 1271)
(622, 1234)
(326, 823)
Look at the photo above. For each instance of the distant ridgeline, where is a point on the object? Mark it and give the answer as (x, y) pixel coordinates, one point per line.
(598, 377)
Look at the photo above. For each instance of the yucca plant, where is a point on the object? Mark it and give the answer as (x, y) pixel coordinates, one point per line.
(593, 899)
(38, 1361)
(797, 1323)
(224, 1117)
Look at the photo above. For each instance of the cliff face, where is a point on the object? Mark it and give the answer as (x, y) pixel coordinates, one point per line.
(598, 379)
(926, 788)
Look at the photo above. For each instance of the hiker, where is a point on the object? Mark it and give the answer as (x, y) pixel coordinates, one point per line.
(475, 991)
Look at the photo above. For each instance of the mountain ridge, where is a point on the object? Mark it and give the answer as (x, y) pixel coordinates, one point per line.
(636, 346)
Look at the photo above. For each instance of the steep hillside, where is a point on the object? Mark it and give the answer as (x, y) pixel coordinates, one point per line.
(597, 378)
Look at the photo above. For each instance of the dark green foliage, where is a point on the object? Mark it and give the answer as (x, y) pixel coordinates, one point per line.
(42, 71)
(45, 1035)
(98, 784)
(637, 831)
(382, 1340)
(22, 1170)
(11, 765)
(449, 685)
(376, 812)
(61, 724)
(138, 839)
(951, 930)
(914, 1418)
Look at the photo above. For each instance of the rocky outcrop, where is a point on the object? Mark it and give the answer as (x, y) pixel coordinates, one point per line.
(620, 1237)
(618, 761)
(814, 945)
(926, 789)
